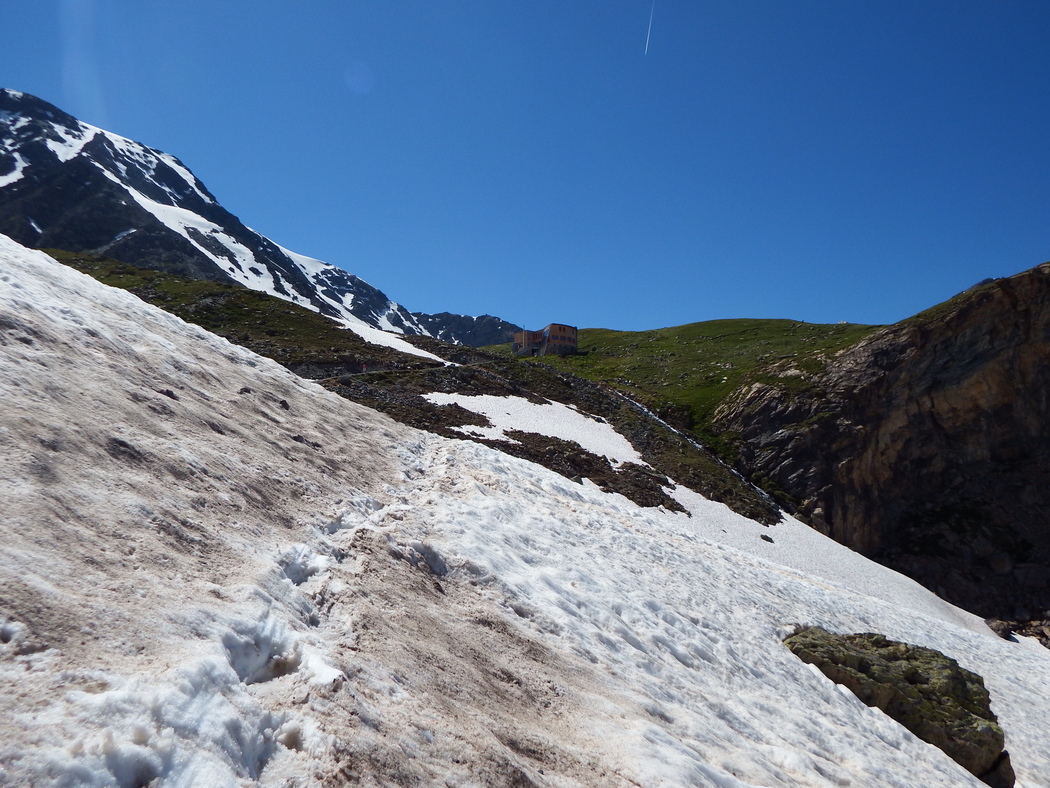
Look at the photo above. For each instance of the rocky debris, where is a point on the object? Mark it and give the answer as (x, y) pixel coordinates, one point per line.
(922, 689)
(925, 446)
(640, 484)
(1038, 629)
(399, 394)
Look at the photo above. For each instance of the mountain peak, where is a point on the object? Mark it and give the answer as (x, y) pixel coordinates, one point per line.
(70, 185)
(17, 102)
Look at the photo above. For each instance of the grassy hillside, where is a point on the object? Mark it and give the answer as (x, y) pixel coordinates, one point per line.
(683, 373)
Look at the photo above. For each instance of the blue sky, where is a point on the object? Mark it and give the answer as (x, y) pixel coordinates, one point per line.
(817, 160)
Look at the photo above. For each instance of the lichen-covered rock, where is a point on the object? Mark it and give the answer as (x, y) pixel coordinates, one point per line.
(922, 689)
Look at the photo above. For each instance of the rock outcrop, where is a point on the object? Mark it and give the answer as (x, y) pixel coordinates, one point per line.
(922, 689)
(925, 445)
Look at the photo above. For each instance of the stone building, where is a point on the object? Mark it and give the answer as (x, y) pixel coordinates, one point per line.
(555, 338)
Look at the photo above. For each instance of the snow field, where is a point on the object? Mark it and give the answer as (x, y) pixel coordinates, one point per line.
(16, 174)
(694, 628)
(145, 592)
(190, 595)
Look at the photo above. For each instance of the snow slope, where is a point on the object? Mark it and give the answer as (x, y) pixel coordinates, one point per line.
(214, 573)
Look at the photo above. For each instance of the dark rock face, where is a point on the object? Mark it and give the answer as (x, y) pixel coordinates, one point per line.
(1038, 629)
(465, 330)
(922, 689)
(68, 185)
(925, 446)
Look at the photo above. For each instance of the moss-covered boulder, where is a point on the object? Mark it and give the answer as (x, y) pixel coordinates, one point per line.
(922, 689)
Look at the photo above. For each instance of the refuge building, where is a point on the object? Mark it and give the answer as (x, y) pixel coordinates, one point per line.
(554, 338)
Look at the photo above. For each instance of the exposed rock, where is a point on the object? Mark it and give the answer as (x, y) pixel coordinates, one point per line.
(1038, 629)
(466, 330)
(925, 446)
(668, 454)
(922, 689)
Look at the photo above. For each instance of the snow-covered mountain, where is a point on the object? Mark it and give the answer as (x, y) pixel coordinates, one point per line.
(213, 572)
(66, 184)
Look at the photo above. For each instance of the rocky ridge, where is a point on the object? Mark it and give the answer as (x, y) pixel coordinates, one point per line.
(925, 445)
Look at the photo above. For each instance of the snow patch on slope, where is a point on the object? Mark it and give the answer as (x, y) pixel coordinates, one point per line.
(312, 266)
(147, 160)
(192, 226)
(16, 174)
(387, 339)
(71, 141)
(795, 545)
(317, 271)
(553, 419)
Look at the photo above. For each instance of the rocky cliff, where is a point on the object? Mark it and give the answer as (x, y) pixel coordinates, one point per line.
(925, 446)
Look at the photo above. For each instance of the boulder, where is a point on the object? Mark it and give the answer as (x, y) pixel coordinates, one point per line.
(922, 689)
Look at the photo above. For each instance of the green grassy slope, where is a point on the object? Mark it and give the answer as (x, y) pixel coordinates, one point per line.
(683, 373)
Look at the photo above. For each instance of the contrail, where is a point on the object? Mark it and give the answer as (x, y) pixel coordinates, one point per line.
(649, 32)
